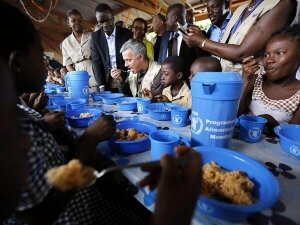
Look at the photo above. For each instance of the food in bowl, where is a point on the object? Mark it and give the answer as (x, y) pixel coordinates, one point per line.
(70, 176)
(228, 186)
(129, 134)
(266, 189)
(83, 115)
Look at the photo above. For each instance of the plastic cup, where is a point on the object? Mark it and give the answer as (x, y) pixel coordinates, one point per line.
(55, 98)
(179, 116)
(141, 105)
(163, 142)
(251, 128)
(61, 104)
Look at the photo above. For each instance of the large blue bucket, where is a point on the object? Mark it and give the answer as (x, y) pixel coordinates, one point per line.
(78, 84)
(215, 98)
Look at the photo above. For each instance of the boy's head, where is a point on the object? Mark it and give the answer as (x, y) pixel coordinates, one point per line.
(172, 70)
(22, 54)
(205, 64)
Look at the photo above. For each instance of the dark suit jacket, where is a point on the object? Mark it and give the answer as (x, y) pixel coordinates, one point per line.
(100, 54)
(189, 55)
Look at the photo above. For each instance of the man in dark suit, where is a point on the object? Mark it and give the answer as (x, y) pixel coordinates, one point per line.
(106, 44)
(172, 42)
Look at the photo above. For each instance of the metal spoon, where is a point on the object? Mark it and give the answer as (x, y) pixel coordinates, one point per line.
(180, 162)
(166, 107)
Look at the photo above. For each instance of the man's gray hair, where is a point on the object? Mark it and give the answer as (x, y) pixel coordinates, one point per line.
(136, 46)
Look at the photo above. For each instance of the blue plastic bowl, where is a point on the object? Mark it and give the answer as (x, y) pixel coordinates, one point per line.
(53, 108)
(97, 96)
(141, 105)
(289, 138)
(51, 86)
(76, 104)
(136, 146)
(266, 186)
(157, 111)
(60, 89)
(49, 91)
(61, 104)
(82, 122)
(109, 99)
(126, 104)
(55, 98)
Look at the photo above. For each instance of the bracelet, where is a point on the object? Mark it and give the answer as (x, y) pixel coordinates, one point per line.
(203, 44)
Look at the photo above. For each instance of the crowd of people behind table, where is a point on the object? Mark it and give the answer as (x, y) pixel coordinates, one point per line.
(251, 41)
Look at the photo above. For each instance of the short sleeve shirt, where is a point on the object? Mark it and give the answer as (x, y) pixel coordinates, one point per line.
(183, 98)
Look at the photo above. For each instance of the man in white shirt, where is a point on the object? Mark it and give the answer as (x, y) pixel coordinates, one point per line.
(144, 73)
(105, 45)
(219, 15)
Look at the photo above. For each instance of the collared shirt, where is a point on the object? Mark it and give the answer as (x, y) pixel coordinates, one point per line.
(183, 98)
(179, 39)
(111, 43)
(74, 52)
(147, 80)
(215, 33)
(79, 54)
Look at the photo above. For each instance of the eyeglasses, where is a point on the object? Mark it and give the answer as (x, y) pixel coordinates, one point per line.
(138, 28)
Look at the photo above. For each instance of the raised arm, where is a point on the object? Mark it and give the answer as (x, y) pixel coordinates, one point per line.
(256, 39)
(250, 66)
(296, 117)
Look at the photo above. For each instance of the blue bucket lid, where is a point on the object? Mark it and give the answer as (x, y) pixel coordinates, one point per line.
(78, 72)
(217, 85)
(77, 75)
(218, 77)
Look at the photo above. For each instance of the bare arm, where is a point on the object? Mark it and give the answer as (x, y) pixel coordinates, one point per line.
(296, 117)
(70, 67)
(250, 66)
(256, 39)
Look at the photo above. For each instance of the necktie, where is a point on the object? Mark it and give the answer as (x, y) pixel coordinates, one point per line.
(173, 45)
